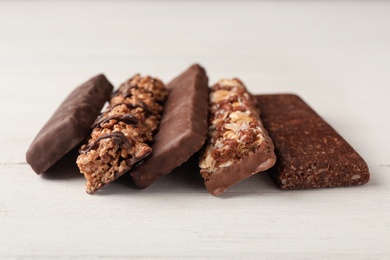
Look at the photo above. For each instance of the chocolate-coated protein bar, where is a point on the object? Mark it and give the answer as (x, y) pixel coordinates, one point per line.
(183, 127)
(69, 124)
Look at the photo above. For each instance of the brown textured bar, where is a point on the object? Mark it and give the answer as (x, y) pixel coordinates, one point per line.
(183, 127)
(123, 133)
(311, 154)
(238, 146)
(69, 124)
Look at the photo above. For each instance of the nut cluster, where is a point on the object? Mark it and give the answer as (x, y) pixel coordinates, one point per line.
(234, 126)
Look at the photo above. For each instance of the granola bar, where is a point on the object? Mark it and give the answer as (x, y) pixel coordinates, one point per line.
(122, 135)
(237, 144)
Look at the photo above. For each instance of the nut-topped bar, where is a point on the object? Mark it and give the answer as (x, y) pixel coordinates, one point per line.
(238, 146)
(122, 135)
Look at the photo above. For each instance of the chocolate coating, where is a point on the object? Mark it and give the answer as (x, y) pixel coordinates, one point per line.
(69, 124)
(310, 153)
(254, 162)
(183, 127)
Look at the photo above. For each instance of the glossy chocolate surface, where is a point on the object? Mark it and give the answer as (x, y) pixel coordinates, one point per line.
(183, 127)
(70, 123)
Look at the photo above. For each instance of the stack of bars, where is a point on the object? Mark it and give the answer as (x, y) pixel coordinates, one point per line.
(149, 128)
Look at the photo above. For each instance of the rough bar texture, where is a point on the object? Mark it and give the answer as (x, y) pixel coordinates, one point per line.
(311, 154)
(238, 146)
(122, 135)
(69, 124)
(183, 127)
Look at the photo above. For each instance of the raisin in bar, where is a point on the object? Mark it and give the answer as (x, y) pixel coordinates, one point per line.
(69, 124)
(122, 135)
(183, 127)
(311, 154)
(237, 144)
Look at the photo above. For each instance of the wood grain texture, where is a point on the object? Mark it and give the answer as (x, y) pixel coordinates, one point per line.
(335, 55)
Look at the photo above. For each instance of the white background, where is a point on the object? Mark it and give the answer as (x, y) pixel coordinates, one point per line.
(335, 55)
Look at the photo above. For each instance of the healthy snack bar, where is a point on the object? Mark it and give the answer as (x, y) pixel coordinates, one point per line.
(237, 144)
(69, 124)
(311, 154)
(183, 127)
(122, 135)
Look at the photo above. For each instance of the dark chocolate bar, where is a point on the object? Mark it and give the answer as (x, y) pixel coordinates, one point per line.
(311, 154)
(238, 146)
(183, 127)
(69, 124)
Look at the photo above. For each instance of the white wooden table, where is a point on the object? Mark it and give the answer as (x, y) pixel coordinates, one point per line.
(336, 55)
